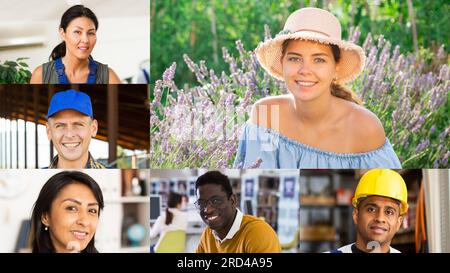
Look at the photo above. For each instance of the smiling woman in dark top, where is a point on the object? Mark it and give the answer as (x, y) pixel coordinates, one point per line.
(66, 214)
(71, 60)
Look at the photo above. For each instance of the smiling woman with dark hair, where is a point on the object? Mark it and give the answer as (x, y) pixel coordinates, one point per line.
(71, 60)
(66, 214)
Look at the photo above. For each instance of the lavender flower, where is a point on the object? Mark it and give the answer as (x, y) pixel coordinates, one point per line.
(445, 158)
(169, 73)
(422, 145)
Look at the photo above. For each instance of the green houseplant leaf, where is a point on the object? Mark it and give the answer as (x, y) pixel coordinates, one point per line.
(14, 71)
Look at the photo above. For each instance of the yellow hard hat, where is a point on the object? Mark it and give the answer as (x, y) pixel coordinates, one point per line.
(382, 182)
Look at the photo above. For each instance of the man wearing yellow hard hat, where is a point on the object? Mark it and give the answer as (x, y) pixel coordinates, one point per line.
(380, 202)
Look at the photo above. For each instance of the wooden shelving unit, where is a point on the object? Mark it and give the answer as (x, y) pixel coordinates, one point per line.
(404, 239)
(325, 223)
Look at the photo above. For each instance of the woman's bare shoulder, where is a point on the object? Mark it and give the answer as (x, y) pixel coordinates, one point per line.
(267, 109)
(367, 130)
(113, 78)
(36, 77)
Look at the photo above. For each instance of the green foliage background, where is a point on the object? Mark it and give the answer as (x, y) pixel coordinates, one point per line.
(186, 26)
(14, 72)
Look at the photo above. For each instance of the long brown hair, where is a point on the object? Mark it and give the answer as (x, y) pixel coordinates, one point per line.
(337, 89)
(173, 201)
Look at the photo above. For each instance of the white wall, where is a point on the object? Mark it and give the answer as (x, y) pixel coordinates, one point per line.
(437, 196)
(26, 185)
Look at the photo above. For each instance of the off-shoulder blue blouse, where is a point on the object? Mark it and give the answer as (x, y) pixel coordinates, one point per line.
(280, 152)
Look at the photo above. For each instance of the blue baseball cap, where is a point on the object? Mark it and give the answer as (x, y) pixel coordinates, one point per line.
(70, 99)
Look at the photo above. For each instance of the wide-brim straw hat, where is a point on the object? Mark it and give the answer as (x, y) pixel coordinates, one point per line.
(317, 25)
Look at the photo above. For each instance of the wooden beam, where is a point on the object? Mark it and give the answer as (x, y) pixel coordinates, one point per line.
(113, 122)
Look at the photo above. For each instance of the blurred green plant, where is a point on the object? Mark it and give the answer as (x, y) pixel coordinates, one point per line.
(201, 28)
(123, 162)
(14, 71)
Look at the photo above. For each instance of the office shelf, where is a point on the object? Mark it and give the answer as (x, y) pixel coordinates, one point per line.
(134, 200)
(318, 233)
(267, 199)
(324, 220)
(131, 199)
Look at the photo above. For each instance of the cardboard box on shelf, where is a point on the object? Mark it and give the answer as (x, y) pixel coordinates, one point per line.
(317, 233)
(323, 200)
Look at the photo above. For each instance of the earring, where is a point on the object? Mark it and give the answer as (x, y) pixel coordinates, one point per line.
(46, 228)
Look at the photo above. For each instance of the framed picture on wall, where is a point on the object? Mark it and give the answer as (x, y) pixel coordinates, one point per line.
(249, 185)
(289, 187)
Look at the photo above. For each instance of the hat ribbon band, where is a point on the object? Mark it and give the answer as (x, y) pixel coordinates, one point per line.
(311, 30)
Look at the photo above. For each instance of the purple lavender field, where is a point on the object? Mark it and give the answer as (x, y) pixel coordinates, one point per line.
(199, 126)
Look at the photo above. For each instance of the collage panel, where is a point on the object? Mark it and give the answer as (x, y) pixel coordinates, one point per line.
(62, 42)
(299, 211)
(74, 127)
(208, 202)
(297, 84)
(69, 211)
(378, 210)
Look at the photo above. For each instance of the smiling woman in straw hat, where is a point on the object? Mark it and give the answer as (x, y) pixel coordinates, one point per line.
(321, 123)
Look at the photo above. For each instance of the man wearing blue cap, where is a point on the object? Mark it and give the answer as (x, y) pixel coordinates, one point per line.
(70, 126)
